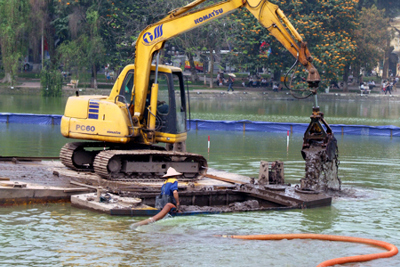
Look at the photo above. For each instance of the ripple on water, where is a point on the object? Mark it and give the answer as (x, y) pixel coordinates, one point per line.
(59, 235)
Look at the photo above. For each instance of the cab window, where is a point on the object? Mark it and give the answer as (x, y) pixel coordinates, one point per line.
(180, 104)
(163, 94)
(127, 87)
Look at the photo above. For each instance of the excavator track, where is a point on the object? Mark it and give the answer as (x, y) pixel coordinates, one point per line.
(146, 165)
(134, 164)
(66, 153)
(73, 155)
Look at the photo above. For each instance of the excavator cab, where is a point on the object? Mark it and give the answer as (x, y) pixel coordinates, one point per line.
(171, 103)
(170, 113)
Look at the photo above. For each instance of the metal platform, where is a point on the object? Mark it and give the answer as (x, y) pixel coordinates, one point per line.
(216, 192)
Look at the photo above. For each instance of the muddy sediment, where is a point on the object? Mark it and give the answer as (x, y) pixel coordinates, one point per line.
(40, 173)
(236, 206)
(321, 168)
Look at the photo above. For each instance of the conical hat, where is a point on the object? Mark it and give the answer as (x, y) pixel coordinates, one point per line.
(171, 172)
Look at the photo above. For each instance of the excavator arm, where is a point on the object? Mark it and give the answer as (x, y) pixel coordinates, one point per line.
(183, 19)
(126, 147)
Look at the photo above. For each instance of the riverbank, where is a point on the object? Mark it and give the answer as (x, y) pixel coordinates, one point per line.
(33, 88)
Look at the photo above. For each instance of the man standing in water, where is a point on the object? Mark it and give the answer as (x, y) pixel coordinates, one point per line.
(169, 190)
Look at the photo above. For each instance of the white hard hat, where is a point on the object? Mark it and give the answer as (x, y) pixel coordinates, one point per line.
(171, 172)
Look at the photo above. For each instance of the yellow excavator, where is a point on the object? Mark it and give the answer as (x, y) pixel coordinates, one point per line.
(147, 104)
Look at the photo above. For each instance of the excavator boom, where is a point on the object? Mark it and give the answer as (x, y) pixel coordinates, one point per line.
(180, 20)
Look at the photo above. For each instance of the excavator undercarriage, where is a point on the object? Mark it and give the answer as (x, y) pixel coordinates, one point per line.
(142, 163)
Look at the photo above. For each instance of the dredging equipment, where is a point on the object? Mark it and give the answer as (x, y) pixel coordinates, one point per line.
(320, 151)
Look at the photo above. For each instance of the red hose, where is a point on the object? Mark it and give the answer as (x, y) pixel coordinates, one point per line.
(392, 249)
(156, 217)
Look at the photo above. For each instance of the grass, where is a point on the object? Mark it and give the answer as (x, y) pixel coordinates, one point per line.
(23, 75)
(372, 78)
(99, 86)
(29, 75)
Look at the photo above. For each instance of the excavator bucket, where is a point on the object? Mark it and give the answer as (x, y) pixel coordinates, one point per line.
(317, 135)
(320, 151)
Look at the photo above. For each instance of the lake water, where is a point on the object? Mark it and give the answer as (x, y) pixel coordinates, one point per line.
(59, 235)
(338, 111)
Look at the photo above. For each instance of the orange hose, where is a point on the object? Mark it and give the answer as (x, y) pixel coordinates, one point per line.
(156, 217)
(392, 249)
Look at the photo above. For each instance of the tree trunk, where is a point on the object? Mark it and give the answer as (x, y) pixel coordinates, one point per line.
(7, 78)
(277, 76)
(93, 82)
(8, 68)
(34, 44)
(194, 77)
(346, 78)
(388, 51)
(357, 75)
(49, 34)
(211, 66)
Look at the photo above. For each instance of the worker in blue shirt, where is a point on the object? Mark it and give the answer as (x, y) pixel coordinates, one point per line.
(169, 190)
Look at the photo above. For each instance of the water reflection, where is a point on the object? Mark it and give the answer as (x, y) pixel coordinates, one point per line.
(32, 104)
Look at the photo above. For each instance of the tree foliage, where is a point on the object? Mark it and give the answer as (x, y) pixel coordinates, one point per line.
(13, 14)
(85, 49)
(389, 8)
(327, 27)
(244, 42)
(370, 37)
(51, 82)
(91, 33)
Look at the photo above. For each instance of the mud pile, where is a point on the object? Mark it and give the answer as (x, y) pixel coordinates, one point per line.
(248, 205)
(321, 168)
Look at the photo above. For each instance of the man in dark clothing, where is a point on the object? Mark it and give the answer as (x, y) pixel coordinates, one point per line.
(169, 190)
(230, 83)
(389, 88)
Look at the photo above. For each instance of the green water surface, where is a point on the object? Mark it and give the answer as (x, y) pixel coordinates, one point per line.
(361, 111)
(59, 235)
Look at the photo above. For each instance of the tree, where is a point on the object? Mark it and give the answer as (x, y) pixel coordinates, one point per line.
(189, 42)
(371, 38)
(122, 21)
(390, 9)
(13, 15)
(245, 38)
(205, 41)
(94, 45)
(38, 17)
(85, 51)
(326, 26)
